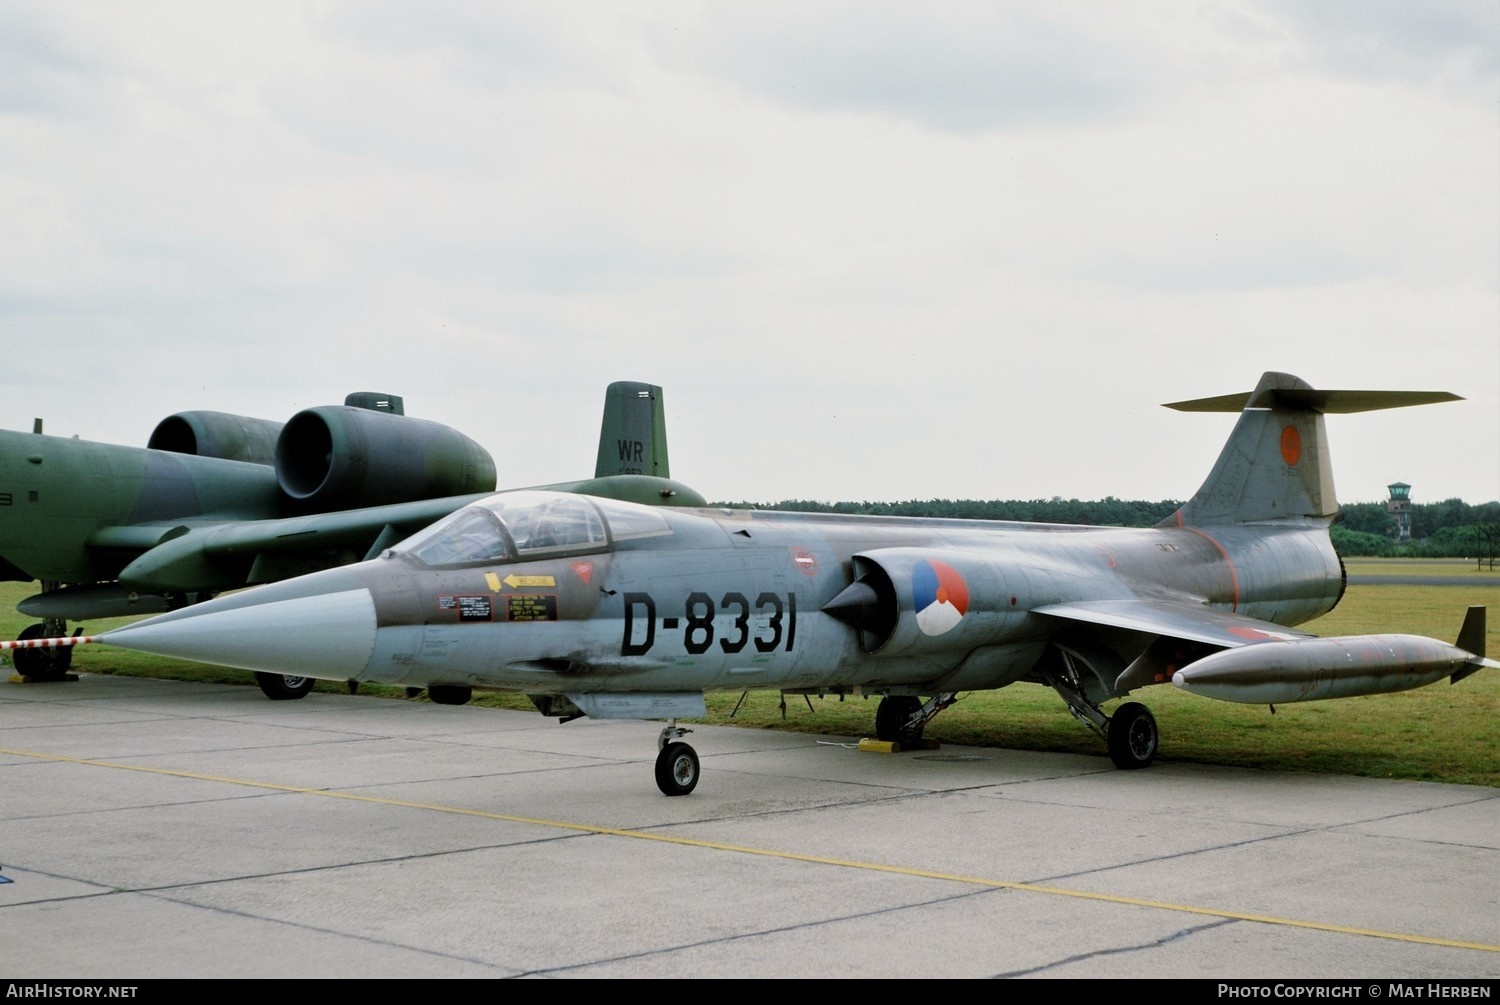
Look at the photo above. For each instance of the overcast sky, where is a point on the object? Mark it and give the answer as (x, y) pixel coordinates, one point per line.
(870, 250)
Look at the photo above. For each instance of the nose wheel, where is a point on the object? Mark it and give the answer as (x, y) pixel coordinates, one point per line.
(676, 762)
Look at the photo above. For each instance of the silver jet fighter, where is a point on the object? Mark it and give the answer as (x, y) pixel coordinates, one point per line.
(608, 609)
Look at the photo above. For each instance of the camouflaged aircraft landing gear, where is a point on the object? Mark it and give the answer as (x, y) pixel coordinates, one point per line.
(1130, 734)
(284, 687)
(676, 762)
(48, 664)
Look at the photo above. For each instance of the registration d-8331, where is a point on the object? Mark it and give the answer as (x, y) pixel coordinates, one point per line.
(769, 623)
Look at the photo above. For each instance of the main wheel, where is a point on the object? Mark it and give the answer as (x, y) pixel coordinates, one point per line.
(891, 716)
(1132, 736)
(676, 769)
(48, 664)
(284, 687)
(450, 694)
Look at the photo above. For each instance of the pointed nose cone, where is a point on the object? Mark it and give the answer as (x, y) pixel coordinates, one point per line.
(327, 635)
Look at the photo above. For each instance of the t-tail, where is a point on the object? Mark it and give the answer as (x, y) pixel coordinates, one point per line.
(1275, 465)
(633, 436)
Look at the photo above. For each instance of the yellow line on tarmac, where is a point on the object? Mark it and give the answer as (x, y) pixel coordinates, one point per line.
(999, 884)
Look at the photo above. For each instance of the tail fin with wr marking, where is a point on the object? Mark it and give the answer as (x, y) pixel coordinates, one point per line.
(633, 436)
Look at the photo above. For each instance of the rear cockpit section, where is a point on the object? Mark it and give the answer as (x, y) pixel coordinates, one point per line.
(517, 526)
(560, 523)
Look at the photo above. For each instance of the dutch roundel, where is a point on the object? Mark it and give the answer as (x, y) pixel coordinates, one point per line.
(940, 596)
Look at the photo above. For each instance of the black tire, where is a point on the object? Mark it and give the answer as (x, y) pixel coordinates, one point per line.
(284, 687)
(1132, 736)
(49, 664)
(450, 694)
(892, 712)
(677, 769)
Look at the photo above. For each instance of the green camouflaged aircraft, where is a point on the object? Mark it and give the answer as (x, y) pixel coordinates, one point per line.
(218, 501)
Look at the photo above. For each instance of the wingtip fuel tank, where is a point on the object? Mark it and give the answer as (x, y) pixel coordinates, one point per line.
(1311, 669)
(1275, 673)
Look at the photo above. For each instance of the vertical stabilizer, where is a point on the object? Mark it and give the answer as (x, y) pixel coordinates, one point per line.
(1275, 465)
(633, 436)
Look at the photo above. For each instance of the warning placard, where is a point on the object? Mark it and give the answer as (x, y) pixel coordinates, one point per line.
(526, 607)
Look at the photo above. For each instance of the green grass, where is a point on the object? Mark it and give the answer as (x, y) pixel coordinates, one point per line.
(1419, 567)
(1438, 733)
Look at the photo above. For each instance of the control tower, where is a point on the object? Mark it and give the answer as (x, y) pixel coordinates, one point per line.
(1399, 507)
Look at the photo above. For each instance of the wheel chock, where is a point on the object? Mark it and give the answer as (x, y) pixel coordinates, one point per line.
(892, 747)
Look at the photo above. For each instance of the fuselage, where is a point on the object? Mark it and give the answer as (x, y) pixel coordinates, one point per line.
(75, 511)
(653, 600)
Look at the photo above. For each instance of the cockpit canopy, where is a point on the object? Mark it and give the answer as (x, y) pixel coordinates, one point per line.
(515, 526)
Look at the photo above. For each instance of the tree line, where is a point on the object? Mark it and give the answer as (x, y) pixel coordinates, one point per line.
(1451, 528)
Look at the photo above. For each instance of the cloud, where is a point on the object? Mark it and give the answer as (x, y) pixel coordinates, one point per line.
(883, 250)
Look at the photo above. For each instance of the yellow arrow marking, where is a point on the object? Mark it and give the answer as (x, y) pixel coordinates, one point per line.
(514, 581)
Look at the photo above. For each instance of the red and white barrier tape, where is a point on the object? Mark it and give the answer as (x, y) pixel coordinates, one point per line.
(75, 640)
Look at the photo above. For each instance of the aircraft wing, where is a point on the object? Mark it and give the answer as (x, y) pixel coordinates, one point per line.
(1184, 632)
(187, 551)
(261, 551)
(1179, 621)
(213, 554)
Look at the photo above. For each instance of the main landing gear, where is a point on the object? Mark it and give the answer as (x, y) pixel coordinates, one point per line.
(901, 718)
(676, 762)
(46, 664)
(1130, 734)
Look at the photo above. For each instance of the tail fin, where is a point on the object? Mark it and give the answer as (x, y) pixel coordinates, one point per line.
(1471, 640)
(633, 436)
(1275, 465)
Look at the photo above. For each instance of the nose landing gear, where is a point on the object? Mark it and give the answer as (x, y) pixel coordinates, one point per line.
(676, 762)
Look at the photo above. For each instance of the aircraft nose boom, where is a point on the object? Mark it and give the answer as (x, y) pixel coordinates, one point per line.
(330, 636)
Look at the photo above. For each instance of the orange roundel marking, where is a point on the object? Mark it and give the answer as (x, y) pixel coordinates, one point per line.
(1291, 445)
(805, 561)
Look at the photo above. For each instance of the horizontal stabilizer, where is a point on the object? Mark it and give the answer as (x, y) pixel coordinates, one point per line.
(1275, 466)
(1331, 402)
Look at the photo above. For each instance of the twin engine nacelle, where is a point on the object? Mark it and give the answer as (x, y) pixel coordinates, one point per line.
(217, 434)
(336, 456)
(910, 601)
(362, 453)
